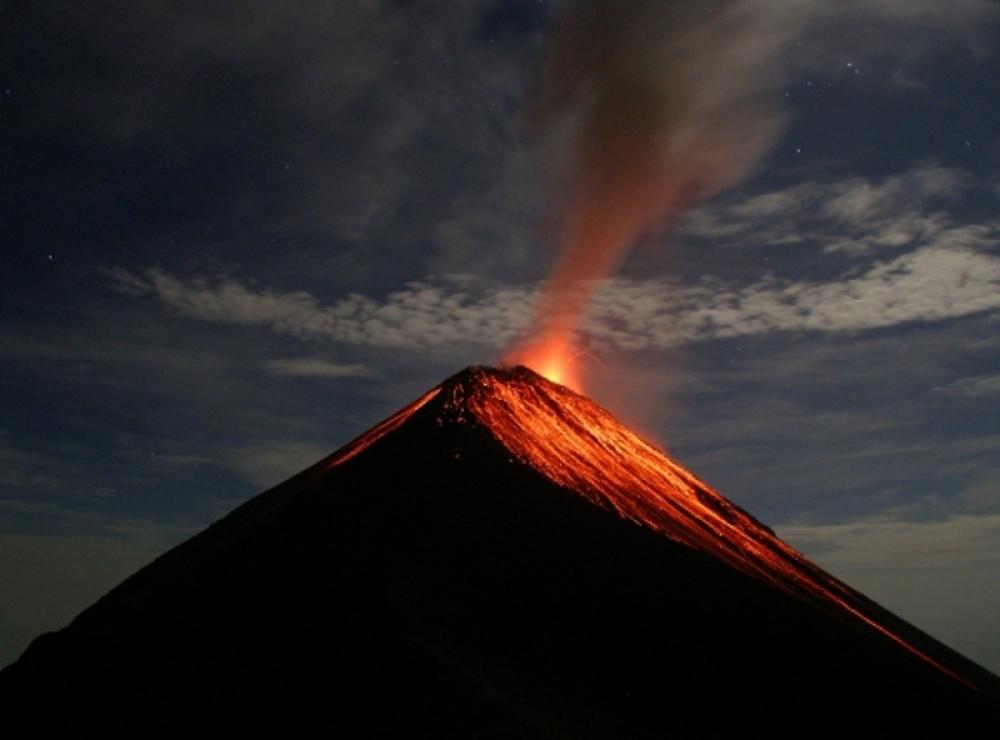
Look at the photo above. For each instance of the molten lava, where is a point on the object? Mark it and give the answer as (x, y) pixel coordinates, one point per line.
(552, 357)
(581, 447)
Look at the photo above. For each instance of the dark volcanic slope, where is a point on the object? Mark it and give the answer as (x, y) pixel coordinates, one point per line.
(448, 574)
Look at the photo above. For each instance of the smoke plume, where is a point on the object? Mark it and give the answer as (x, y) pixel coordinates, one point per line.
(667, 104)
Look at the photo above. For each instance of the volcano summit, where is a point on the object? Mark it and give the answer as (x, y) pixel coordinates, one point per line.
(501, 558)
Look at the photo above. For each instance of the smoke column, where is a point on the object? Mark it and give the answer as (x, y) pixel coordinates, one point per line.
(667, 104)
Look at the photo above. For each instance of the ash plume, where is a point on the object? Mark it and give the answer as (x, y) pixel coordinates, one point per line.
(667, 104)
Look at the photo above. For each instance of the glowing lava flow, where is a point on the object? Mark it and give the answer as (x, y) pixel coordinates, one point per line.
(373, 435)
(551, 357)
(578, 445)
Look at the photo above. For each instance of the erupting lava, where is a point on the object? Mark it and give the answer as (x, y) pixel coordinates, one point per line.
(552, 357)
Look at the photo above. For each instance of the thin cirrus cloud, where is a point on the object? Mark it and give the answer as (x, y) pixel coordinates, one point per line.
(931, 283)
(854, 215)
(313, 367)
(955, 540)
(976, 387)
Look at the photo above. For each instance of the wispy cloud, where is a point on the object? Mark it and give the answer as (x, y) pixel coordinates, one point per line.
(890, 36)
(268, 463)
(855, 215)
(22, 469)
(882, 541)
(338, 96)
(85, 523)
(975, 387)
(421, 314)
(931, 283)
(317, 368)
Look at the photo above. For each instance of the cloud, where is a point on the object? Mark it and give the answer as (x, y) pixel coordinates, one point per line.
(171, 462)
(269, 463)
(881, 541)
(932, 283)
(30, 470)
(377, 139)
(975, 387)
(419, 315)
(348, 121)
(87, 523)
(317, 368)
(939, 575)
(173, 417)
(929, 284)
(856, 215)
(894, 37)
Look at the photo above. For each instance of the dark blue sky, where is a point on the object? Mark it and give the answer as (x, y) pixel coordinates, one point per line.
(236, 237)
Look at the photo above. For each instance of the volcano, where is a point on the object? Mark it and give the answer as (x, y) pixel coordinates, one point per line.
(499, 559)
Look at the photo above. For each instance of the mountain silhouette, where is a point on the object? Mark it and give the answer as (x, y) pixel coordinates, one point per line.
(499, 559)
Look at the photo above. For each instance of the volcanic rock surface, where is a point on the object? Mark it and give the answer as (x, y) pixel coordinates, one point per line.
(499, 559)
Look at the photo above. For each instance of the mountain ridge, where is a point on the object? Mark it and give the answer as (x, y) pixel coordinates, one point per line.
(458, 591)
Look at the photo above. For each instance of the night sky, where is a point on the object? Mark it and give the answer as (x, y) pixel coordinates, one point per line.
(237, 235)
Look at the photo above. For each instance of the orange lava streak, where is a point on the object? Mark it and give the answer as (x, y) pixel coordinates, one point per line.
(581, 447)
(376, 433)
